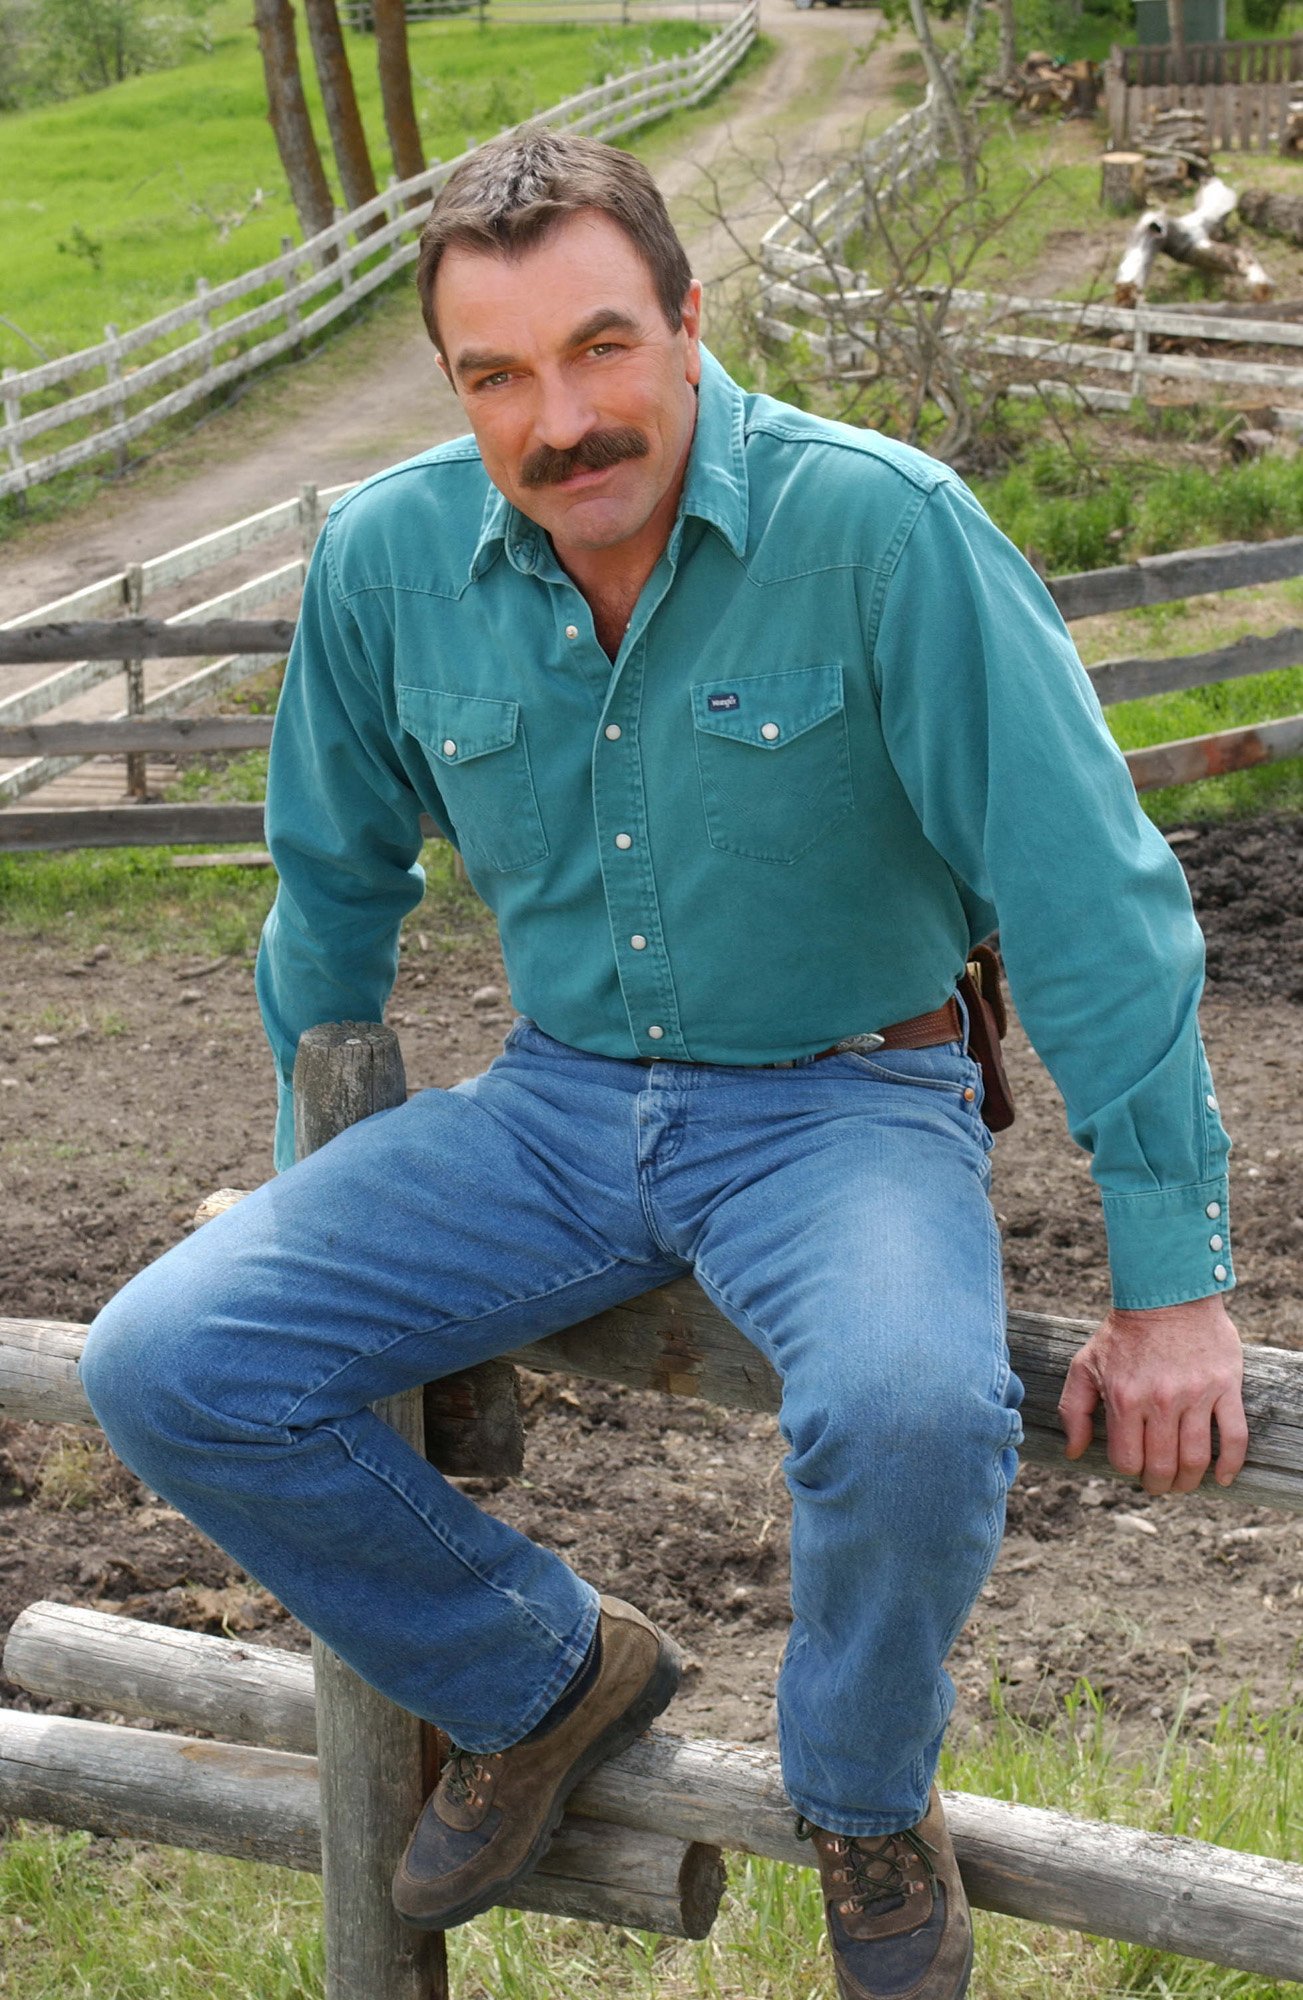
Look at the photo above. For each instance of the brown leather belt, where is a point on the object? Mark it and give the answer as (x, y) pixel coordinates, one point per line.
(922, 1031)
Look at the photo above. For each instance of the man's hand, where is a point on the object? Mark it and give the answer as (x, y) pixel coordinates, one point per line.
(1162, 1376)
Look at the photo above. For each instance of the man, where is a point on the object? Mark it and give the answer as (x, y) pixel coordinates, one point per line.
(748, 727)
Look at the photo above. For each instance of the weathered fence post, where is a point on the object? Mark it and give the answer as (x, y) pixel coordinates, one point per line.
(309, 521)
(377, 1762)
(13, 403)
(113, 379)
(133, 597)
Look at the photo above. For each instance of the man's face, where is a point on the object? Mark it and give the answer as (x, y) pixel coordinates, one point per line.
(578, 392)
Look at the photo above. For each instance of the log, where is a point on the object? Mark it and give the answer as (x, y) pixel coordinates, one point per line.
(1276, 214)
(46, 828)
(1172, 1894)
(378, 1762)
(674, 1340)
(1195, 757)
(1143, 245)
(264, 1805)
(1191, 239)
(142, 639)
(1122, 181)
(1129, 679)
(1164, 579)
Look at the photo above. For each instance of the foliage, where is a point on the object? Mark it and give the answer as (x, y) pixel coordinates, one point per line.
(65, 48)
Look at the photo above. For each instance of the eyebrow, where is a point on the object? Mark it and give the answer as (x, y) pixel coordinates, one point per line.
(607, 319)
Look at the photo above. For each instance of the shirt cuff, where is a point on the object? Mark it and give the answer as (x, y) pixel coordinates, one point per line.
(1169, 1245)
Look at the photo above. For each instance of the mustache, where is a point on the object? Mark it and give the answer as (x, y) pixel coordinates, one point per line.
(594, 453)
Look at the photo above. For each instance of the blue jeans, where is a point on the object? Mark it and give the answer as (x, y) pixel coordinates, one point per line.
(835, 1211)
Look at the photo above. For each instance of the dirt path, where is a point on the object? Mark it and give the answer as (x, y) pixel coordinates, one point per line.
(375, 395)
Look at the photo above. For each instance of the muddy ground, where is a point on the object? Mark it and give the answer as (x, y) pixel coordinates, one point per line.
(129, 1090)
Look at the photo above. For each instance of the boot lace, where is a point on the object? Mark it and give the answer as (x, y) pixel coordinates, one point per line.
(462, 1775)
(874, 1868)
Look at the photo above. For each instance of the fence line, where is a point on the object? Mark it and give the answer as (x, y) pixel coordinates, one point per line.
(1243, 90)
(329, 273)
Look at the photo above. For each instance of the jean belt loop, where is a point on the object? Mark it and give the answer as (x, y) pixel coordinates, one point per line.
(963, 1015)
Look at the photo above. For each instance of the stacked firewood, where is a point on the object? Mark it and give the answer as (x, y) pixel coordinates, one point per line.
(1043, 83)
(1177, 151)
(1291, 139)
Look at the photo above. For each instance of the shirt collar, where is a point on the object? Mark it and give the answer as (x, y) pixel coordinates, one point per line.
(714, 489)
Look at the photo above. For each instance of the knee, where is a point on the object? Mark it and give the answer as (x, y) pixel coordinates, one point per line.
(133, 1363)
(938, 1440)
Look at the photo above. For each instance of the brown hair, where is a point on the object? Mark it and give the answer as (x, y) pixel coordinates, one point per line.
(507, 195)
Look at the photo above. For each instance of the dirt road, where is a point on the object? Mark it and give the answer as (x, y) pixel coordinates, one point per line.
(374, 394)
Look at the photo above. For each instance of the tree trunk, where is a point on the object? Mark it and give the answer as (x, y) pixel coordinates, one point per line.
(1176, 36)
(396, 87)
(944, 92)
(288, 112)
(340, 101)
(1279, 214)
(1008, 42)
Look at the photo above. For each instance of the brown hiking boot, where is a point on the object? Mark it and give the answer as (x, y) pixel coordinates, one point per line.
(897, 1914)
(490, 1817)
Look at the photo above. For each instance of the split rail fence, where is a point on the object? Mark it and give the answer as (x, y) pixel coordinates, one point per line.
(298, 293)
(641, 1844)
(53, 746)
(1242, 88)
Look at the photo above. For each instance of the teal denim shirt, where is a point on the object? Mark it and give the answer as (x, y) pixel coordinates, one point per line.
(846, 736)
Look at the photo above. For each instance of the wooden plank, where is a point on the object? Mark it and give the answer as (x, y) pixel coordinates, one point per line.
(55, 689)
(674, 1341)
(264, 1805)
(1169, 1893)
(1129, 679)
(43, 830)
(145, 639)
(170, 735)
(1186, 573)
(1195, 757)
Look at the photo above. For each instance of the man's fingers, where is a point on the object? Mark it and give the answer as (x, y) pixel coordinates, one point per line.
(1126, 1438)
(1232, 1436)
(1195, 1449)
(1077, 1407)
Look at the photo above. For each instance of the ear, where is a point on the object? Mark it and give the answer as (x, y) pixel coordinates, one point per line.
(692, 331)
(445, 371)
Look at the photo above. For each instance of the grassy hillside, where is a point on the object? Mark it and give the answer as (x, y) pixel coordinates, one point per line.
(112, 205)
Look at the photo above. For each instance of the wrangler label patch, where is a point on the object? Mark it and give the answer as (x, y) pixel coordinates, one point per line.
(715, 701)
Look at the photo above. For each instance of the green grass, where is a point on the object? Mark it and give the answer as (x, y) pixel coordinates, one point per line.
(137, 183)
(134, 896)
(96, 1920)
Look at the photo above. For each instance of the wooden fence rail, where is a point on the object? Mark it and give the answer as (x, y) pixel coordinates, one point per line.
(328, 274)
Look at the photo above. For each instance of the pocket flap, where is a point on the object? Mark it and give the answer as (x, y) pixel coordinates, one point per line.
(768, 709)
(456, 727)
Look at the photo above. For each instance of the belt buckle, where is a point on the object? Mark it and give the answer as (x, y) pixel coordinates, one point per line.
(860, 1045)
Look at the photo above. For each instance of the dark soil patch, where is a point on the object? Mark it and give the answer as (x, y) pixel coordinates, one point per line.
(149, 1098)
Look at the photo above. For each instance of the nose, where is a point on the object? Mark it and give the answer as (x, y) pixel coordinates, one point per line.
(563, 412)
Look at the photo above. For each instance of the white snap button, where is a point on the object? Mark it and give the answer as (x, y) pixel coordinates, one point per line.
(572, 631)
(638, 941)
(769, 730)
(1213, 1210)
(624, 840)
(655, 1033)
(1214, 1242)
(1219, 1272)
(1211, 1102)
(612, 731)
(449, 747)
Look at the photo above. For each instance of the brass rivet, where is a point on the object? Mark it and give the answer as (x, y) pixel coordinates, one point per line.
(970, 1094)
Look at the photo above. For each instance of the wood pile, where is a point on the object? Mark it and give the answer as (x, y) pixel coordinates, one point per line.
(1043, 84)
(1291, 139)
(1177, 150)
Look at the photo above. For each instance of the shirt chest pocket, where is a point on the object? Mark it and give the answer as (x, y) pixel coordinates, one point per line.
(774, 760)
(478, 753)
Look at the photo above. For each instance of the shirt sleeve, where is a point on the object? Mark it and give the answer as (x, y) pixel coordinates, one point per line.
(343, 827)
(995, 731)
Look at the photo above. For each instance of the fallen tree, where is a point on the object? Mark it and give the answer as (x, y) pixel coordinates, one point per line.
(1190, 239)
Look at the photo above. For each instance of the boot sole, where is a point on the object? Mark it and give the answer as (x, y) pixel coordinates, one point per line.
(657, 1693)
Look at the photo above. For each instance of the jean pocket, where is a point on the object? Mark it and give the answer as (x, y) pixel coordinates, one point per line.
(480, 757)
(773, 758)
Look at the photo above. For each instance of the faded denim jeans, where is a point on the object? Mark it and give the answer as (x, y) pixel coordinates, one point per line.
(836, 1211)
